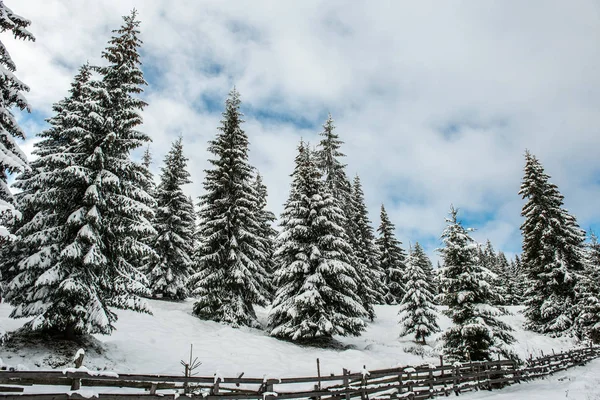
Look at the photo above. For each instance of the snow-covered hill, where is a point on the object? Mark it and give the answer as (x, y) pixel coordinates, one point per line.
(156, 344)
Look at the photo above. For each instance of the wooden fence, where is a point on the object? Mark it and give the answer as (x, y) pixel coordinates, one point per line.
(419, 382)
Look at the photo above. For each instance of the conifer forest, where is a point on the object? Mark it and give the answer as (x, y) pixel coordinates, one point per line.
(86, 230)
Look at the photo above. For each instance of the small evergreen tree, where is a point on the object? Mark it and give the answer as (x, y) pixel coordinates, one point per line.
(231, 255)
(12, 159)
(476, 333)
(316, 292)
(552, 253)
(392, 260)
(174, 224)
(417, 312)
(372, 277)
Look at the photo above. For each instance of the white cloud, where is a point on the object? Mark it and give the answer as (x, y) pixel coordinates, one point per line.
(499, 76)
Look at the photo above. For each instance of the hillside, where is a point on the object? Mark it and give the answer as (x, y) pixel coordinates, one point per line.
(156, 344)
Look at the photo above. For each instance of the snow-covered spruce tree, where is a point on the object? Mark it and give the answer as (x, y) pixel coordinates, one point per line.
(267, 232)
(371, 291)
(316, 291)
(49, 282)
(588, 294)
(476, 333)
(12, 159)
(327, 158)
(392, 259)
(552, 253)
(417, 312)
(150, 187)
(505, 281)
(93, 209)
(231, 255)
(170, 271)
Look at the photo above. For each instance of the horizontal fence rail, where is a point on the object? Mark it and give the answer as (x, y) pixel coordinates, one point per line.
(419, 382)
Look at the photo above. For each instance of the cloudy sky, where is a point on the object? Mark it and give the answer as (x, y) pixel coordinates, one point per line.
(436, 100)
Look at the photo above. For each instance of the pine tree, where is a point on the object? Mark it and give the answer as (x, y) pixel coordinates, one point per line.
(522, 280)
(417, 312)
(146, 162)
(231, 256)
(174, 223)
(316, 292)
(371, 290)
(267, 232)
(90, 203)
(552, 253)
(476, 333)
(587, 305)
(333, 171)
(12, 159)
(392, 260)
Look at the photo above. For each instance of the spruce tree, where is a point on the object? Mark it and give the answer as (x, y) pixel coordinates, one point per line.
(372, 289)
(333, 170)
(91, 206)
(169, 272)
(392, 260)
(552, 253)
(418, 314)
(267, 233)
(231, 255)
(12, 159)
(587, 306)
(476, 333)
(316, 292)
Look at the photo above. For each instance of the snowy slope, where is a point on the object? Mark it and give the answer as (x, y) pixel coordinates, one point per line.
(156, 344)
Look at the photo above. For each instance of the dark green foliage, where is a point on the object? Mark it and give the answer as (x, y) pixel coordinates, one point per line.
(371, 275)
(12, 159)
(392, 259)
(418, 314)
(231, 256)
(552, 253)
(316, 292)
(476, 333)
(79, 248)
(169, 272)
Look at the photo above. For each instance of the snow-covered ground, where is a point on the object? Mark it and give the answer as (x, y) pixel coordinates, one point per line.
(579, 383)
(156, 344)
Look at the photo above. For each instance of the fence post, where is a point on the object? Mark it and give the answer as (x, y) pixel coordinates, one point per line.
(215, 389)
(347, 383)
(455, 371)
(363, 384)
(76, 383)
(269, 389)
(431, 396)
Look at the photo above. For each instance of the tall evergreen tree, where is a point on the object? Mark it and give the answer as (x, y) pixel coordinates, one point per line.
(316, 291)
(328, 161)
(392, 259)
(587, 306)
(476, 333)
(417, 312)
(372, 289)
(146, 162)
(174, 223)
(266, 218)
(231, 256)
(92, 206)
(12, 159)
(552, 253)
